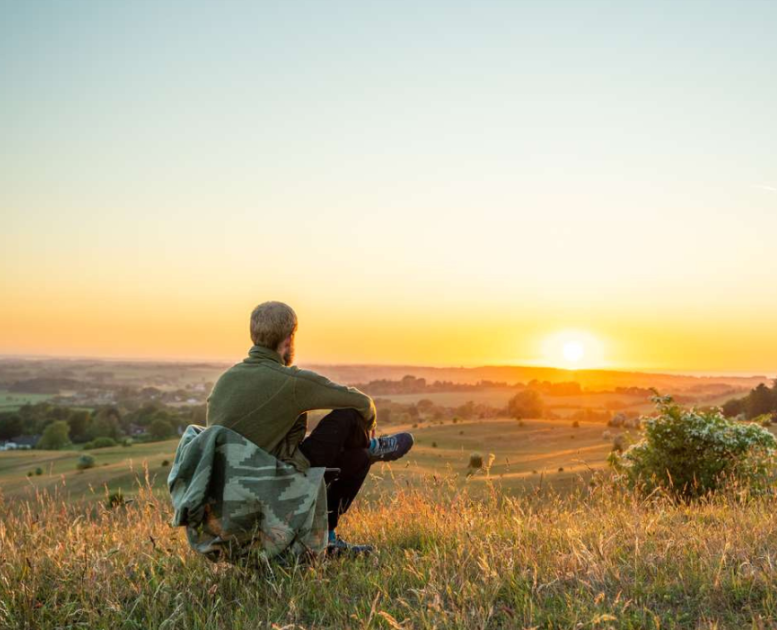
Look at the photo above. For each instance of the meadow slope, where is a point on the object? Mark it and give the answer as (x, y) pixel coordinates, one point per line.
(537, 452)
(595, 559)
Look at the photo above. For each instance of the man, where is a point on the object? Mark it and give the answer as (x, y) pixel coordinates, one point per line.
(266, 400)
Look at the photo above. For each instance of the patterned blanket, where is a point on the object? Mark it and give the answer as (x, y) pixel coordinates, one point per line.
(234, 498)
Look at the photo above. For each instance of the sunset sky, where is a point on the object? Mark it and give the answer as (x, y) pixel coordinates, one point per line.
(441, 183)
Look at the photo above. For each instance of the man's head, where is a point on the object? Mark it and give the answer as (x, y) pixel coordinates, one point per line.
(273, 325)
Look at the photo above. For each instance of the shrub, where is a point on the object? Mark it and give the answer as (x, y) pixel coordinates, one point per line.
(619, 443)
(84, 462)
(606, 435)
(39, 471)
(29, 474)
(526, 404)
(100, 442)
(691, 452)
(561, 469)
(576, 424)
(115, 499)
(434, 444)
(165, 462)
(476, 463)
(55, 436)
(765, 419)
(633, 423)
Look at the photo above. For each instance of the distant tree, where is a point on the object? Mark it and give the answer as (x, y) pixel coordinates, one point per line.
(105, 423)
(11, 425)
(79, 420)
(526, 404)
(466, 411)
(424, 404)
(55, 436)
(733, 407)
(160, 429)
(759, 401)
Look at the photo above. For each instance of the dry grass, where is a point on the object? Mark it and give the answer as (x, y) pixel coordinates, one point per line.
(601, 559)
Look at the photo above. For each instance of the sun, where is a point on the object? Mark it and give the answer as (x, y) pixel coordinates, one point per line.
(573, 351)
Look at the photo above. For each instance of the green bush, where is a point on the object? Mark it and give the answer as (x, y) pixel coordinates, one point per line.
(39, 471)
(84, 462)
(115, 499)
(765, 419)
(692, 452)
(100, 442)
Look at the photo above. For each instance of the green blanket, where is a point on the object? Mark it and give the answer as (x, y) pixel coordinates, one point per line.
(234, 498)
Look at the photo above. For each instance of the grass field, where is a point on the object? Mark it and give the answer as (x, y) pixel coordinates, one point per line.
(11, 401)
(599, 558)
(117, 468)
(525, 456)
(527, 546)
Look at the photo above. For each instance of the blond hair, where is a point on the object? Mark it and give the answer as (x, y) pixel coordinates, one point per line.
(271, 323)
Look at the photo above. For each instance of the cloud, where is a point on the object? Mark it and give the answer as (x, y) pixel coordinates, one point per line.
(769, 188)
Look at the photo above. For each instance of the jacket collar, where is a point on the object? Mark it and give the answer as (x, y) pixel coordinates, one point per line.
(260, 353)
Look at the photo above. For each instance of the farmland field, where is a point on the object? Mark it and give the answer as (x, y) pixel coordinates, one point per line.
(524, 456)
(11, 401)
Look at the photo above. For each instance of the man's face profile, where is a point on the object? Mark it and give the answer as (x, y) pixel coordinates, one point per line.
(288, 355)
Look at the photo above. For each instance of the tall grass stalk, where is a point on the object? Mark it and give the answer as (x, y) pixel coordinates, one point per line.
(603, 558)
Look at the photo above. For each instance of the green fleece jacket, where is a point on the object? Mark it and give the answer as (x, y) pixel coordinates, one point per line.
(266, 402)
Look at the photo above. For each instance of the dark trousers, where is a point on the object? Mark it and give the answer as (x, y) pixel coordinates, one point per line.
(340, 441)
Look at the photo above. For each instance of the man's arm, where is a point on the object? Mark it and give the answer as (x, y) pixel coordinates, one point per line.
(297, 432)
(313, 391)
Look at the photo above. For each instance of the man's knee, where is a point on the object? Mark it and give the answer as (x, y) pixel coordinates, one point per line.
(349, 415)
(352, 422)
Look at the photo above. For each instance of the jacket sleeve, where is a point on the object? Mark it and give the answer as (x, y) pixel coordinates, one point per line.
(297, 432)
(313, 391)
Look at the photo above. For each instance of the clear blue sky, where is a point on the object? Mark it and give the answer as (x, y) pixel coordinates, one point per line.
(563, 162)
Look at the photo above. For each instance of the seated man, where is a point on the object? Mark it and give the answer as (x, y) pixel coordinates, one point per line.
(265, 399)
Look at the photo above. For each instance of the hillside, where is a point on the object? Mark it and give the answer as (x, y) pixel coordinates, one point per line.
(525, 456)
(52, 375)
(598, 559)
(591, 379)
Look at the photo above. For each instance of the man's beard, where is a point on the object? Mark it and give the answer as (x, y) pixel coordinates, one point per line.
(288, 356)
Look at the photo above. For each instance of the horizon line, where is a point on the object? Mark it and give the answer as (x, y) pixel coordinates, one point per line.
(218, 362)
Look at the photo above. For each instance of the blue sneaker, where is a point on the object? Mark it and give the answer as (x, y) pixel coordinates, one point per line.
(338, 547)
(390, 447)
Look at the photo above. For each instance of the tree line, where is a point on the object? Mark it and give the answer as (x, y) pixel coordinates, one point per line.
(762, 400)
(57, 426)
